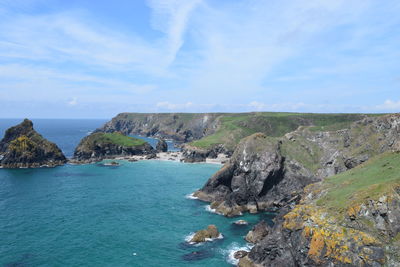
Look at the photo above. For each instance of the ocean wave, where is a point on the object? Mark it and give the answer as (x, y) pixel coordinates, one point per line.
(191, 196)
(209, 209)
(230, 252)
(191, 235)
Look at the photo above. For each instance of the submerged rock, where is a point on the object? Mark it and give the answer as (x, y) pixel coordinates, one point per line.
(23, 147)
(240, 222)
(205, 234)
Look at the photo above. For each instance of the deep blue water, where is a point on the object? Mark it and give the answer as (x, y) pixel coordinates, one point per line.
(136, 214)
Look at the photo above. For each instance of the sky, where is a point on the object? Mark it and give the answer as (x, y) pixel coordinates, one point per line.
(94, 59)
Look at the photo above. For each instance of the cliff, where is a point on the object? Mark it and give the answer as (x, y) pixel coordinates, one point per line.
(23, 147)
(350, 219)
(266, 173)
(99, 146)
(208, 134)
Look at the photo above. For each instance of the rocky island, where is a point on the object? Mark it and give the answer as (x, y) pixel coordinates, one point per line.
(23, 147)
(98, 146)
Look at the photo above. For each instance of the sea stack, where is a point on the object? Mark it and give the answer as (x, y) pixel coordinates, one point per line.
(162, 146)
(98, 146)
(23, 147)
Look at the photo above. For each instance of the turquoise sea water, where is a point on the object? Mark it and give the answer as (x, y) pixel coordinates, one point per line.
(137, 214)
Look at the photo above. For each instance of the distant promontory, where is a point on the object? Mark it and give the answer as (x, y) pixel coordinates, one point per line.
(98, 146)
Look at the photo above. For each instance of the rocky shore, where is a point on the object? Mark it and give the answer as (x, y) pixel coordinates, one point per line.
(295, 176)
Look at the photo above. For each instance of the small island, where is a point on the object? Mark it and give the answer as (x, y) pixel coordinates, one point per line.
(23, 147)
(99, 146)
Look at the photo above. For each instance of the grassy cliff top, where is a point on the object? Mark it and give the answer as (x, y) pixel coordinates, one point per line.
(115, 138)
(235, 126)
(370, 180)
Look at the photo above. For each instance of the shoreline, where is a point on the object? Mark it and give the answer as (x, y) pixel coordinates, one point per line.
(174, 156)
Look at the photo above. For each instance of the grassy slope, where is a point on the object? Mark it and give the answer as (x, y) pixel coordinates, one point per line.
(234, 127)
(370, 180)
(117, 138)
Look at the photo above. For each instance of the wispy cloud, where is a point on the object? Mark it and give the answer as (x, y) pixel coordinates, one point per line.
(332, 55)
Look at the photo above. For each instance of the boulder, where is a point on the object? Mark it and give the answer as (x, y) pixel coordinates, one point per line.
(240, 254)
(259, 231)
(202, 235)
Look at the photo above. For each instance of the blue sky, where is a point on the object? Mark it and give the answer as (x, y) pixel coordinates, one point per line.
(94, 59)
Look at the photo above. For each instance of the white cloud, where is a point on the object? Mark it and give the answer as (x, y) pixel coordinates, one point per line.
(389, 105)
(173, 107)
(73, 101)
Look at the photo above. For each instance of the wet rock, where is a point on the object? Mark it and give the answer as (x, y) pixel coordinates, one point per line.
(205, 234)
(240, 254)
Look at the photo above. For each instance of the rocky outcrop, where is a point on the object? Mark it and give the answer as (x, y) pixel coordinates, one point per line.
(98, 146)
(256, 178)
(267, 173)
(183, 127)
(162, 146)
(23, 147)
(206, 234)
(259, 231)
(351, 219)
(193, 154)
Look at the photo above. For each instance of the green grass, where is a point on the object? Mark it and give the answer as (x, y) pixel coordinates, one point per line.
(117, 138)
(234, 127)
(370, 180)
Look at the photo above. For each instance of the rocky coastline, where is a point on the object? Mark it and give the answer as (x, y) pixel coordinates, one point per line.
(287, 174)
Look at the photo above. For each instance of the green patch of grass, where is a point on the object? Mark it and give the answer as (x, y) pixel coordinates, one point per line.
(118, 138)
(234, 127)
(374, 178)
(303, 151)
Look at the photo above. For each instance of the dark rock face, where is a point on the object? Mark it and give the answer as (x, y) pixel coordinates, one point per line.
(176, 126)
(23, 147)
(193, 154)
(256, 178)
(162, 146)
(258, 232)
(93, 148)
(267, 173)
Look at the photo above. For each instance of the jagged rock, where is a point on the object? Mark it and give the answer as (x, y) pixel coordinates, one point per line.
(193, 154)
(203, 235)
(240, 254)
(256, 177)
(99, 146)
(23, 147)
(259, 231)
(162, 146)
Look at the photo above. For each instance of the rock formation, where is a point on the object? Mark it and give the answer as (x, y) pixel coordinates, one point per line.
(206, 234)
(351, 219)
(23, 147)
(162, 146)
(99, 146)
(267, 173)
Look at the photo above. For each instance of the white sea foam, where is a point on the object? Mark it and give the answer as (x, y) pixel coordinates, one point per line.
(191, 196)
(209, 209)
(230, 252)
(191, 235)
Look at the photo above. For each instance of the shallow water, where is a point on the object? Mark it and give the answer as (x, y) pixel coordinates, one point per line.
(136, 214)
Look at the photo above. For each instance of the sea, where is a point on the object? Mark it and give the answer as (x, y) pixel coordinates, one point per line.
(135, 214)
